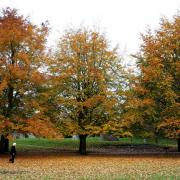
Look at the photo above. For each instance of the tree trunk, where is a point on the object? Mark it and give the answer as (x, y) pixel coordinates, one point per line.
(4, 144)
(178, 144)
(82, 144)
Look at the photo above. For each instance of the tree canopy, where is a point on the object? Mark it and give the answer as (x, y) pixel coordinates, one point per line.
(22, 55)
(82, 89)
(83, 82)
(154, 102)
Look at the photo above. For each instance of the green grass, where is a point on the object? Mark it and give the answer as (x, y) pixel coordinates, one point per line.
(138, 140)
(92, 142)
(40, 143)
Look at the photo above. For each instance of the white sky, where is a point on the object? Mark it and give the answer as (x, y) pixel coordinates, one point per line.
(121, 20)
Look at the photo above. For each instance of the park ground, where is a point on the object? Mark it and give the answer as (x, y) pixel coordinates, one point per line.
(47, 159)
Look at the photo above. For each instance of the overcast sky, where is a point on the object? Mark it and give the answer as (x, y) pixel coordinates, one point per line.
(121, 20)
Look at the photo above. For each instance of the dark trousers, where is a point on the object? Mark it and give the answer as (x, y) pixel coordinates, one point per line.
(12, 158)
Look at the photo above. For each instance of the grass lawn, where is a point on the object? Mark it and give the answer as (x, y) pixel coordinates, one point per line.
(90, 168)
(92, 142)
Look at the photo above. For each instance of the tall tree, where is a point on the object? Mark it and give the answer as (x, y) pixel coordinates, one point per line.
(22, 56)
(83, 76)
(155, 102)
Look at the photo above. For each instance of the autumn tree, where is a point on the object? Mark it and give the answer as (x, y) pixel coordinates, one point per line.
(83, 74)
(22, 57)
(154, 102)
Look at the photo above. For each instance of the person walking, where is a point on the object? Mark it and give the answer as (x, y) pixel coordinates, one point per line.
(13, 153)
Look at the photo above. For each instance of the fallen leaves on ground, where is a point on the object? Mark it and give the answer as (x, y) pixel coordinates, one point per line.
(72, 167)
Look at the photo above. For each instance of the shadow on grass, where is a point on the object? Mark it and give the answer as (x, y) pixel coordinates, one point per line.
(73, 153)
(110, 150)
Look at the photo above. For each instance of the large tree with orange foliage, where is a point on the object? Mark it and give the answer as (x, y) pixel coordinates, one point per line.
(154, 103)
(22, 56)
(84, 74)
